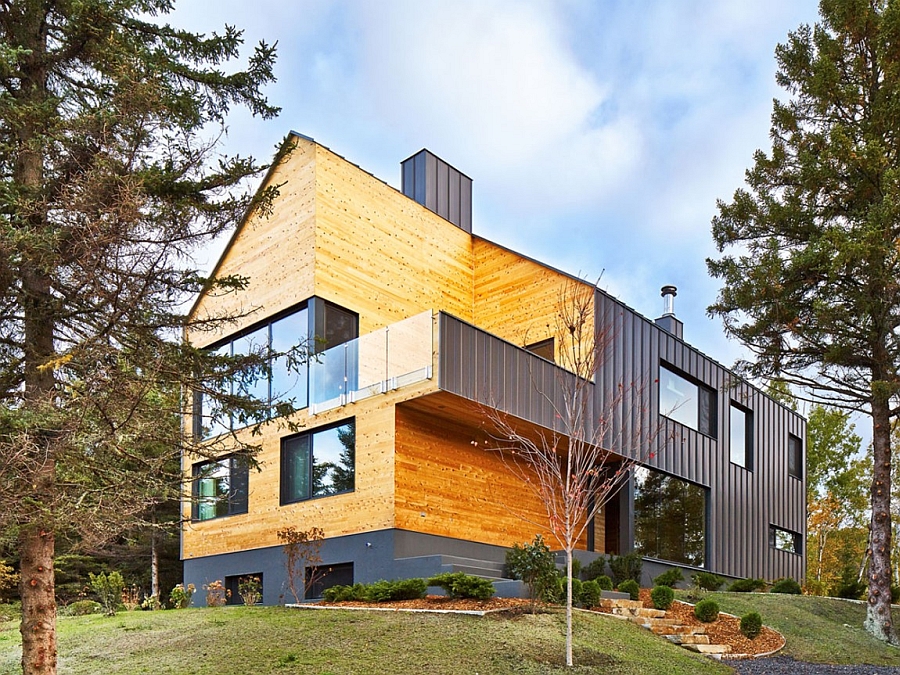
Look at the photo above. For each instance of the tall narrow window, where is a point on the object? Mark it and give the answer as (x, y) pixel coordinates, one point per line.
(318, 463)
(795, 456)
(741, 436)
(687, 402)
(220, 488)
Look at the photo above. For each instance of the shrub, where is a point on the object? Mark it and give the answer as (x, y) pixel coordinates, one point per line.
(399, 589)
(131, 598)
(590, 594)
(747, 585)
(850, 586)
(626, 567)
(707, 610)
(83, 608)
(708, 581)
(216, 593)
(535, 565)
(576, 568)
(345, 593)
(576, 591)
(662, 597)
(816, 587)
(669, 578)
(604, 582)
(108, 588)
(250, 589)
(751, 624)
(180, 597)
(895, 594)
(595, 570)
(9, 580)
(788, 586)
(461, 585)
(631, 587)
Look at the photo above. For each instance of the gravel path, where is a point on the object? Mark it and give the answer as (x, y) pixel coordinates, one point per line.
(784, 665)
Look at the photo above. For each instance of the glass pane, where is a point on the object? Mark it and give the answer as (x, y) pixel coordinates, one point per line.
(333, 372)
(214, 422)
(795, 457)
(253, 383)
(669, 518)
(678, 398)
(785, 540)
(340, 326)
(334, 452)
(295, 469)
(289, 372)
(212, 490)
(738, 436)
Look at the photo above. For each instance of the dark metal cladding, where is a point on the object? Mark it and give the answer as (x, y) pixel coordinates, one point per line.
(437, 186)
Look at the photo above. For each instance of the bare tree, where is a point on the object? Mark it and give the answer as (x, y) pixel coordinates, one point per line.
(575, 468)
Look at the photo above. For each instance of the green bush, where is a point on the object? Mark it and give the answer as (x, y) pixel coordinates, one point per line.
(180, 596)
(850, 586)
(604, 582)
(747, 586)
(535, 565)
(895, 594)
(707, 610)
(751, 624)
(576, 591)
(708, 581)
(669, 578)
(398, 589)
(631, 587)
(83, 608)
(462, 585)
(590, 594)
(356, 592)
(108, 588)
(576, 568)
(662, 597)
(626, 567)
(9, 581)
(788, 586)
(595, 570)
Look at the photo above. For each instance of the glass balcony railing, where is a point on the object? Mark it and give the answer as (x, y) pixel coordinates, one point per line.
(387, 359)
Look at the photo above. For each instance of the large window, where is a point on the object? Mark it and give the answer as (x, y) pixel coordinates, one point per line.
(740, 446)
(220, 488)
(795, 456)
(785, 540)
(319, 463)
(687, 402)
(669, 518)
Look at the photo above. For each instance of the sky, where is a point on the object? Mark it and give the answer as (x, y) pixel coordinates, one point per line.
(599, 134)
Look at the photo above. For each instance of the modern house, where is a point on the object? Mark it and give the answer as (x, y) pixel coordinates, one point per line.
(420, 327)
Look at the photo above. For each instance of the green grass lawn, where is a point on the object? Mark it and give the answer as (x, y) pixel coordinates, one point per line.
(821, 630)
(279, 641)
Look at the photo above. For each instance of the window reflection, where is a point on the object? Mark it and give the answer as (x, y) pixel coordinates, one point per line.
(669, 518)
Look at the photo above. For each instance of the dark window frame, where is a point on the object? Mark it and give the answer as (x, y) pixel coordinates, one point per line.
(748, 435)
(796, 539)
(322, 577)
(285, 461)
(796, 464)
(707, 422)
(238, 497)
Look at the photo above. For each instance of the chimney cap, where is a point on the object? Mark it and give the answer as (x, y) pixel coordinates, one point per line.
(668, 290)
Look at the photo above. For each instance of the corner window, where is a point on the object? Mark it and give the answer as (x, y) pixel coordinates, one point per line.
(220, 488)
(784, 540)
(669, 518)
(544, 348)
(795, 456)
(318, 463)
(740, 441)
(687, 402)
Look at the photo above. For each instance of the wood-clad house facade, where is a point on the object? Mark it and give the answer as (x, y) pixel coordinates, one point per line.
(420, 326)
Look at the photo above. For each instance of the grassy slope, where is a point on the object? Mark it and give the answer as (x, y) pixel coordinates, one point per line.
(821, 630)
(278, 641)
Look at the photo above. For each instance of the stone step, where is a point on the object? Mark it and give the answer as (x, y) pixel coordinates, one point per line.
(615, 603)
(674, 630)
(695, 639)
(652, 613)
(655, 621)
(709, 649)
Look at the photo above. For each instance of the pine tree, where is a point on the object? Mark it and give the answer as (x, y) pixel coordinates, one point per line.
(109, 122)
(813, 284)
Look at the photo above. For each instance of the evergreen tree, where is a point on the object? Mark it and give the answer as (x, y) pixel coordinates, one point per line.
(812, 284)
(109, 121)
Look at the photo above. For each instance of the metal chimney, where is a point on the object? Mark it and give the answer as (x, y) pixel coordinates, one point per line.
(667, 321)
(437, 186)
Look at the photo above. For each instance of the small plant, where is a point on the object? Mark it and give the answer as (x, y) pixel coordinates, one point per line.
(670, 578)
(152, 603)
(627, 566)
(180, 596)
(850, 587)
(108, 588)
(708, 581)
(302, 557)
(590, 594)
(662, 597)
(895, 594)
(399, 589)
(535, 565)
(576, 591)
(131, 597)
(788, 586)
(604, 582)
(631, 587)
(340, 593)
(216, 593)
(83, 608)
(594, 570)
(461, 585)
(9, 580)
(576, 568)
(751, 625)
(707, 610)
(746, 586)
(250, 589)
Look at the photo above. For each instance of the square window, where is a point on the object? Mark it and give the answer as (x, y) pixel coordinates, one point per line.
(795, 456)
(244, 589)
(219, 488)
(318, 463)
(687, 402)
(740, 440)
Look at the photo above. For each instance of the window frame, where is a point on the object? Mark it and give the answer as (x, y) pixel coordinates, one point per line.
(238, 497)
(733, 408)
(707, 402)
(545, 348)
(795, 456)
(796, 540)
(285, 497)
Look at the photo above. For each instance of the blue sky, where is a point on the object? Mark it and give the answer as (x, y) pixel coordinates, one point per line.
(598, 134)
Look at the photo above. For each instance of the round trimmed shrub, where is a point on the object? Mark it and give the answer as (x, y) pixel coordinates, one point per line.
(83, 608)
(707, 610)
(604, 582)
(670, 578)
(631, 587)
(789, 586)
(751, 624)
(662, 597)
(590, 594)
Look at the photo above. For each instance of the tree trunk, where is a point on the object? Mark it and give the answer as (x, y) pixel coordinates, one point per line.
(569, 660)
(878, 610)
(38, 627)
(154, 569)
